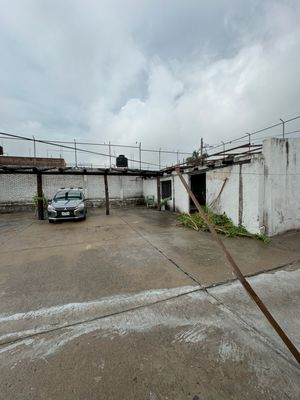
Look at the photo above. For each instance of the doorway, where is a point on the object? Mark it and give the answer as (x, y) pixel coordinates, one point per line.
(198, 187)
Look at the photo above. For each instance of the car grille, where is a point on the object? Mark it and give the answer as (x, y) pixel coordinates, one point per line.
(71, 211)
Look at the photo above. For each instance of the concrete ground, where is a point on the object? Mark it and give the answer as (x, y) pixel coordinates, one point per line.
(133, 306)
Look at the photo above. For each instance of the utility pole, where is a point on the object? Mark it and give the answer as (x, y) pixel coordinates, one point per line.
(201, 147)
(283, 122)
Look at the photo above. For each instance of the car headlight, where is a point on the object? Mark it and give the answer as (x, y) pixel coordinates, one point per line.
(80, 207)
(51, 208)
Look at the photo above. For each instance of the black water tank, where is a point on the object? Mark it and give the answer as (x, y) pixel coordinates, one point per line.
(1, 151)
(122, 161)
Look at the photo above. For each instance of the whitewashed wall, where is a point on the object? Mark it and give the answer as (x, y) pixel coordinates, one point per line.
(228, 200)
(281, 208)
(180, 198)
(150, 188)
(241, 196)
(252, 195)
(17, 187)
(267, 195)
(21, 188)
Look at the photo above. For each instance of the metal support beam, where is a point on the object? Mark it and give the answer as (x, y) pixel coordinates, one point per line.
(106, 194)
(253, 295)
(158, 193)
(39, 182)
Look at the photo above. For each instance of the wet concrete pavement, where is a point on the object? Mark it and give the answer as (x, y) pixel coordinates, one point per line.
(123, 306)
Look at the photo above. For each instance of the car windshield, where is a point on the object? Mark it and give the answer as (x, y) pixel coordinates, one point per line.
(70, 194)
(74, 194)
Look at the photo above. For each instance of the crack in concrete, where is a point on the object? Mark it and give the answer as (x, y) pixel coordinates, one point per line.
(197, 289)
(162, 253)
(141, 306)
(221, 304)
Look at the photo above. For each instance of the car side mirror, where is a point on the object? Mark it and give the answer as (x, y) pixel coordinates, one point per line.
(49, 201)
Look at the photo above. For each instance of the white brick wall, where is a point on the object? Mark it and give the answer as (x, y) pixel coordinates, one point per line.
(21, 188)
(180, 197)
(17, 187)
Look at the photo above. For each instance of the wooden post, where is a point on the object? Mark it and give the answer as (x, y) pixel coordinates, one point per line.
(106, 194)
(253, 295)
(158, 193)
(39, 183)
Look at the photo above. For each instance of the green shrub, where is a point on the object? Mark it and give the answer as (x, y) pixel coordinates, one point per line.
(221, 222)
(36, 198)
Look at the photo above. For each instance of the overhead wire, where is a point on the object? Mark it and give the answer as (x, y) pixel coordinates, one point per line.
(246, 135)
(106, 145)
(70, 147)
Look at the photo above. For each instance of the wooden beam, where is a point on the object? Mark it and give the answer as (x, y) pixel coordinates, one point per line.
(106, 194)
(39, 183)
(253, 295)
(158, 193)
(33, 171)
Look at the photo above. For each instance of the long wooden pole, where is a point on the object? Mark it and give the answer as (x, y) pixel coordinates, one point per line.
(286, 340)
(39, 184)
(106, 194)
(158, 193)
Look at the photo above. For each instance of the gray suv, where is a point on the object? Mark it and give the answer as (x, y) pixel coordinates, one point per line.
(68, 203)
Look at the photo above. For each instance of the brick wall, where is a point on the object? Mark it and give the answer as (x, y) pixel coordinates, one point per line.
(22, 187)
(32, 161)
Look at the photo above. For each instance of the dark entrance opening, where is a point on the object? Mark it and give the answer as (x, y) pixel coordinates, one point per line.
(198, 187)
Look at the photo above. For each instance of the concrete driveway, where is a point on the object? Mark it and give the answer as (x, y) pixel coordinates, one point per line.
(132, 306)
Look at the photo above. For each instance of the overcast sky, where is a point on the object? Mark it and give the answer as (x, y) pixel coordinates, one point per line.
(163, 72)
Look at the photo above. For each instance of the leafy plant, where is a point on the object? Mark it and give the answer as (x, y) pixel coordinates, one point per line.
(221, 222)
(36, 199)
(196, 158)
(164, 202)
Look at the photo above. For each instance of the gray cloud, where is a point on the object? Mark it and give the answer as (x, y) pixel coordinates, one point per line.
(163, 73)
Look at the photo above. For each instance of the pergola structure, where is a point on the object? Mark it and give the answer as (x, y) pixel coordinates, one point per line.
(105, 172)
(146, 173)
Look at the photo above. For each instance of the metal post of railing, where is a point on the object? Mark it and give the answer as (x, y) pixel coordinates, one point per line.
(76, 165)
(159, 158)
(249, 136)
(140, 154)
(283, 122)
(223, 149)
(34, 147)
(109, 151)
